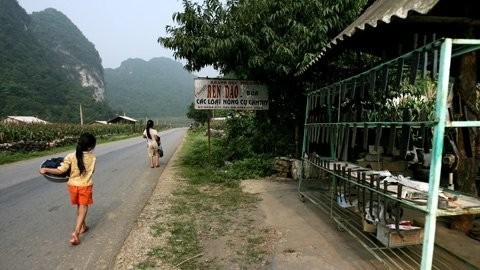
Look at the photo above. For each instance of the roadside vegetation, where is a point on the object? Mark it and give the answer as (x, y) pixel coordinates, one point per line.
(209, 206)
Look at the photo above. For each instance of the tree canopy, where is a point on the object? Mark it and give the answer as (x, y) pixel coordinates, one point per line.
(256, 39)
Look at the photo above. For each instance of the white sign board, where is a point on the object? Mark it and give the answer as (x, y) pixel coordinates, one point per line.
(230, 94)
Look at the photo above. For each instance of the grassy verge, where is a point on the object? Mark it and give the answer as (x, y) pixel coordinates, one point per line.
(211, 223)
(14, 157)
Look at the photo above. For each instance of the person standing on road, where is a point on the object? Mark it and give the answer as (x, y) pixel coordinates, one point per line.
(80, 184)
(151, 135)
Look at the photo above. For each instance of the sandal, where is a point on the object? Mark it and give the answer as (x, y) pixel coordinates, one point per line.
(84, 229)
(75, 240)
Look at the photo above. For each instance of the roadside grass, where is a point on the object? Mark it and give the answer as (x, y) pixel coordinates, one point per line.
(209, 205)
(6, 157)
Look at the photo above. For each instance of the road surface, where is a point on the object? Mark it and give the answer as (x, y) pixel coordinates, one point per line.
(37, 219)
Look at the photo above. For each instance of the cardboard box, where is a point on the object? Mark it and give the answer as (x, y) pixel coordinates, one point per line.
(390, 237)
(368, 227)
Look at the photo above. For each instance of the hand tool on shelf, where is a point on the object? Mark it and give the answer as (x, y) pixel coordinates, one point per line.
(363, 180)
(398, 211)
(349, 178)
(359, 182)
(385, 201)
(335, 170)
(344, 184)
(378, 196)
(372, 180)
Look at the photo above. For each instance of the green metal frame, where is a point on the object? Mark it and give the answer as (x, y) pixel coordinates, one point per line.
(449, 48)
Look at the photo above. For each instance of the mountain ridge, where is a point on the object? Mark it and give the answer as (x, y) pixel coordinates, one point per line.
(146, 88)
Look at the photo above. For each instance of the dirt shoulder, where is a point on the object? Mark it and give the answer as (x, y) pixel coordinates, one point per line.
(277, 232)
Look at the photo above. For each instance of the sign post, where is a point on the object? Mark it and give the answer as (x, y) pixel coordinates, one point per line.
(218, 93)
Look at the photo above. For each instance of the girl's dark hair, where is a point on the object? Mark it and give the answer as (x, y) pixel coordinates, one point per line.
(149, 126)
(86, 142)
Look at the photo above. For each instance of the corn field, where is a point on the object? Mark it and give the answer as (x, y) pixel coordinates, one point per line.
(13, 133)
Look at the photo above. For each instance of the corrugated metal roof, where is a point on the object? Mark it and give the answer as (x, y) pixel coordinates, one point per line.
(122, 117)
(380, 11)
(25, 119)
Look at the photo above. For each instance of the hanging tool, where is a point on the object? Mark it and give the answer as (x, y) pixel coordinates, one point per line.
(339, 141)
(434, 73)
(378, 137)
(352, 94)
(385, 81)
(401, 63)
(422, 136)
(373, 80)
(406, 130)
(391, 140)
(414, 67)
(345, 143)
(354, 136)
(425, 64)
(365, 137)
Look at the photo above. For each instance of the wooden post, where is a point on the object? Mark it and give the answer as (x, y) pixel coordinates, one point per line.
(208, 132)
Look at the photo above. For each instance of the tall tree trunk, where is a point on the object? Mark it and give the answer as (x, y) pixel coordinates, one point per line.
(468, 139)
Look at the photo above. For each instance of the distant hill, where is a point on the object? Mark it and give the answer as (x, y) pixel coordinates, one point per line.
(48, 67)
(156, 88)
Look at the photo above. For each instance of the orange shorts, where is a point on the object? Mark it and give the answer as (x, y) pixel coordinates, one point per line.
(81, 195)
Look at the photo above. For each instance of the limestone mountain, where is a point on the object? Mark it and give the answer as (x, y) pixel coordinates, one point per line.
(156, 88)
(77, 55)
(47, 67)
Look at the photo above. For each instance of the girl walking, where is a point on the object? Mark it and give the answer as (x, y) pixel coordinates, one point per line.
(81, 164)
(151, 135)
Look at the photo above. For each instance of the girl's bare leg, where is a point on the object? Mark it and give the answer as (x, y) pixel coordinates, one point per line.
(156, 158)
(151, 161)
(81, 215)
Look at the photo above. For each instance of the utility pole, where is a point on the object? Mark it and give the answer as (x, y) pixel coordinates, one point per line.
(81, 115)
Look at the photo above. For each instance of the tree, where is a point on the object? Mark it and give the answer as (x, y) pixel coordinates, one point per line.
(200, 116)
(260, 40)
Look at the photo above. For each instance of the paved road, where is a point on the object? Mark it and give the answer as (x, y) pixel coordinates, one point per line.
(36, 217)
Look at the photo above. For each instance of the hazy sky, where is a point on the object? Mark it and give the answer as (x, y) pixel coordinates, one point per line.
(120, 29)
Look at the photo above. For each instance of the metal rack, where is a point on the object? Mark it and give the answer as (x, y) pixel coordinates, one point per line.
(339, 122)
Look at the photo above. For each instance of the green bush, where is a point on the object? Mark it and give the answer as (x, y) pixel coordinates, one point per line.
(200, 168)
